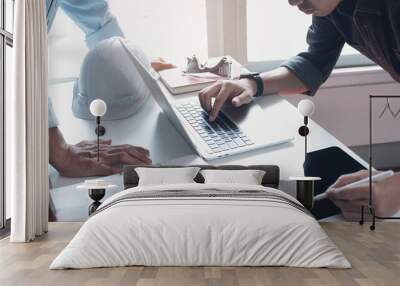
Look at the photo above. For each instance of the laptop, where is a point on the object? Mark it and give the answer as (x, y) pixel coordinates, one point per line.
(235, 131)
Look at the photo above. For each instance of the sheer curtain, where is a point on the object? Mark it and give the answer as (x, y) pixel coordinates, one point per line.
(27, 133)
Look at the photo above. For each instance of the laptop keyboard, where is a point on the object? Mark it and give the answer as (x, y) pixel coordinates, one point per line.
(221, 135)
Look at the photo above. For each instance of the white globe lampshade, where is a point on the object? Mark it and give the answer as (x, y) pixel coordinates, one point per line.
(306, 107)
(98, 107)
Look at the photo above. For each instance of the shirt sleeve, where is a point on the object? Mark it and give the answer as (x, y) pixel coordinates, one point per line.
(93, 18)
(53, 122)
(314, 66)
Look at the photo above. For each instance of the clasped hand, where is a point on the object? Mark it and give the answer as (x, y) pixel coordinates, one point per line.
(81, 159)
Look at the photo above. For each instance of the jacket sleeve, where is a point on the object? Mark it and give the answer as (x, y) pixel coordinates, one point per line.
(53, 122)
(93, 18)
(314, 66)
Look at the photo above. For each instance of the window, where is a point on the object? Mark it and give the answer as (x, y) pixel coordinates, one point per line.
(9, 18)
(6, 42)
(273, 38)
(172, 29)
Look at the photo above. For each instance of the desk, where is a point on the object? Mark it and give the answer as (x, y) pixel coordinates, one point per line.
(151, 128)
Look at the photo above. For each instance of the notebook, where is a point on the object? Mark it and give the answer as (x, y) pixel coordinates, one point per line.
(179, 82)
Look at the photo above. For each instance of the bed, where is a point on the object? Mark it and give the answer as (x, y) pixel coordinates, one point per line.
(201, 224)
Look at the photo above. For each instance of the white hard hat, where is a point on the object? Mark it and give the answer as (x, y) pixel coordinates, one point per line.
(108, 73)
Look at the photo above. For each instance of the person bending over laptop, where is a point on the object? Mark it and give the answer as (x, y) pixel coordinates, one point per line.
(370, 26)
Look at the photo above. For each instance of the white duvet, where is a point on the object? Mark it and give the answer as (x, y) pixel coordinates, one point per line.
(188, 231)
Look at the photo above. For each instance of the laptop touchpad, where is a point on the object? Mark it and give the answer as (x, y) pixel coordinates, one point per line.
(243, 114)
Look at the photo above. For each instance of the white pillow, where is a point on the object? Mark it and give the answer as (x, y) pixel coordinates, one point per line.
(247, 177)
(165, 176)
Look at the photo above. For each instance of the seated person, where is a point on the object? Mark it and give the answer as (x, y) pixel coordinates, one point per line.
(107, 73)
(96, 21)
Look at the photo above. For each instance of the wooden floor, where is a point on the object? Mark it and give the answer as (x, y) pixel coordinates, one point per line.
(375, 257)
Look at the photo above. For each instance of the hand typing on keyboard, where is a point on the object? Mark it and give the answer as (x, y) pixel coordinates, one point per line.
(239, 92)
(220, 135)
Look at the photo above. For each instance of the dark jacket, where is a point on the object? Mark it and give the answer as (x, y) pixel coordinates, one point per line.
(370, 26)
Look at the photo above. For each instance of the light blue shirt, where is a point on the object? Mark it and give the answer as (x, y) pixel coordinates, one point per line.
(93, 17)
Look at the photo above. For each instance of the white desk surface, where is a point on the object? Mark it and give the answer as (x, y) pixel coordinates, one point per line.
(151, 128)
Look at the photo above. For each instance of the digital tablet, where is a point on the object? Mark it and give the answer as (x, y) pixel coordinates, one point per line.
(328, 164)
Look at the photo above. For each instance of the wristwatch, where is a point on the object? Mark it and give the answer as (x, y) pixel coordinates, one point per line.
(259, 82)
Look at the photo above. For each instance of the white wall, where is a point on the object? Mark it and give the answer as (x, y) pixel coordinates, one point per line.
(344, 112)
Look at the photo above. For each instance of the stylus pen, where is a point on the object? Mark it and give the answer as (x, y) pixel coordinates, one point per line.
(375, 178)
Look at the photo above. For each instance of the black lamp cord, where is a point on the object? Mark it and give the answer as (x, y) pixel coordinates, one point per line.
(305, 137)
(98, 138)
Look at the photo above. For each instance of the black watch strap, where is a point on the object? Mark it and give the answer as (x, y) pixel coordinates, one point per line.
(259, 82)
